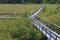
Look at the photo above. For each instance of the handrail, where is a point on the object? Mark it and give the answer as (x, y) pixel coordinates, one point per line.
(50, 25)
(35, 12)
(47, 30)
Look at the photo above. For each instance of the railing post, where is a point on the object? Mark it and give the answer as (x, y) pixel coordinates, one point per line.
(39, 25)
(50, 35)
(56, 38)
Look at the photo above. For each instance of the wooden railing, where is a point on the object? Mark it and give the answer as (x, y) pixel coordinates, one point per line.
(50, 30)
(35, 12)
(49, 24)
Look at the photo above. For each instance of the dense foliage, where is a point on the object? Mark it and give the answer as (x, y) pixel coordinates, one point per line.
(18, 29)
(29, 1)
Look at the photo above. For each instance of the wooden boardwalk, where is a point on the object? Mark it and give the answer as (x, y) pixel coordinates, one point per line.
(49, 29)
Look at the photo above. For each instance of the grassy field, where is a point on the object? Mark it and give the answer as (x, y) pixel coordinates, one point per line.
(18, 29)
(51, 12)
(18, 8)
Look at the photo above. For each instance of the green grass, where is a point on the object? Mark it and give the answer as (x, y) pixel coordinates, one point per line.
(18, 8)
(18, 29)
(51, 12)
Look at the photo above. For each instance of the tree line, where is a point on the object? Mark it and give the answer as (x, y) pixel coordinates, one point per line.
(28, 1)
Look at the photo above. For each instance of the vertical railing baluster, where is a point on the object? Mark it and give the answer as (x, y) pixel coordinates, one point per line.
(56, 38)
(50, 35)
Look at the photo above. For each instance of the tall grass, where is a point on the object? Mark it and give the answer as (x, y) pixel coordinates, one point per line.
(18, 8)
(51, 12)
(18, 29)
